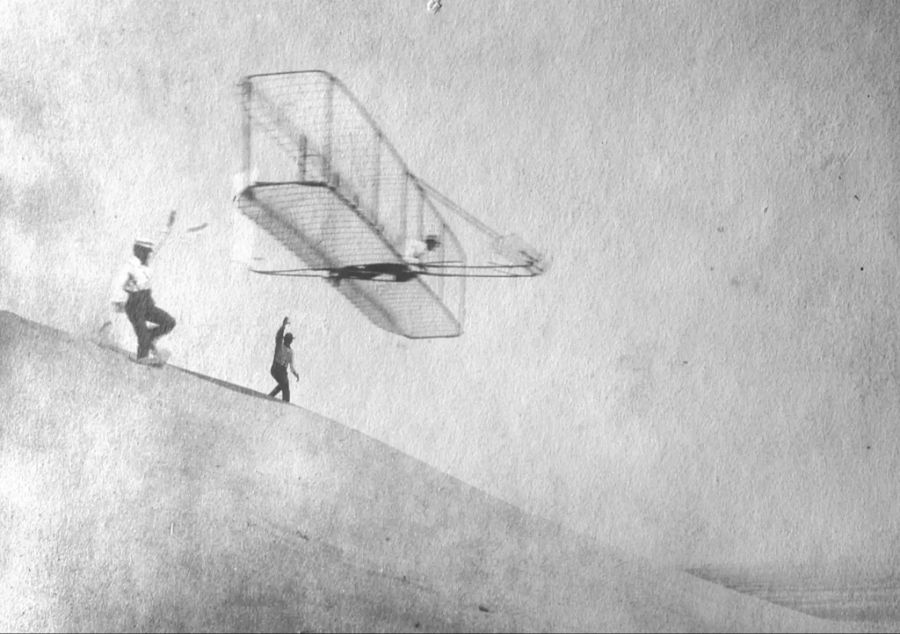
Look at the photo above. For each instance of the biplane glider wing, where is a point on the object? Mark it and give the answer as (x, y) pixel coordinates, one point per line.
(325, 231)
(323, 180)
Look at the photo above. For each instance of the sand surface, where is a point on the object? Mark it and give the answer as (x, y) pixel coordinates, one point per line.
(137, 498)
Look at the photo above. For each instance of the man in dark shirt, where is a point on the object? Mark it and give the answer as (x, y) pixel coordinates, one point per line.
(281, 361)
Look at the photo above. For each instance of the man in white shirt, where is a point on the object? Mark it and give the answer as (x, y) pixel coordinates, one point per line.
(132, 295)
(415, 249)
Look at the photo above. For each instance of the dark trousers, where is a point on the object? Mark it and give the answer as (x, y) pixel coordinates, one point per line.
(141, 309)
(279, 373)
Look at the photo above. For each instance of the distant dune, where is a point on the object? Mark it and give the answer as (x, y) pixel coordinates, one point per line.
(847, 591)
(136, 498)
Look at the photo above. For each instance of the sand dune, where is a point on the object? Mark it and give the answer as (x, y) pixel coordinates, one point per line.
(135, 498)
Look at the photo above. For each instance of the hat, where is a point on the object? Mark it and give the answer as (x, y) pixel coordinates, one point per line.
(143, 242)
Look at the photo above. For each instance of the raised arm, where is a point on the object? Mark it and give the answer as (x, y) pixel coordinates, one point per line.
(165, 233)
(279, 336)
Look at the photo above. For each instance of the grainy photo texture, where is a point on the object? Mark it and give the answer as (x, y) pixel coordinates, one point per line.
(449, 315)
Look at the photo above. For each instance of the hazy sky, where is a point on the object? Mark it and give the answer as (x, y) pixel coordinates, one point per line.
(709, 373)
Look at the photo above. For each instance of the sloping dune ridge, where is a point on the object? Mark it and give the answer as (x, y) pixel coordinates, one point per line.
(137, 498)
